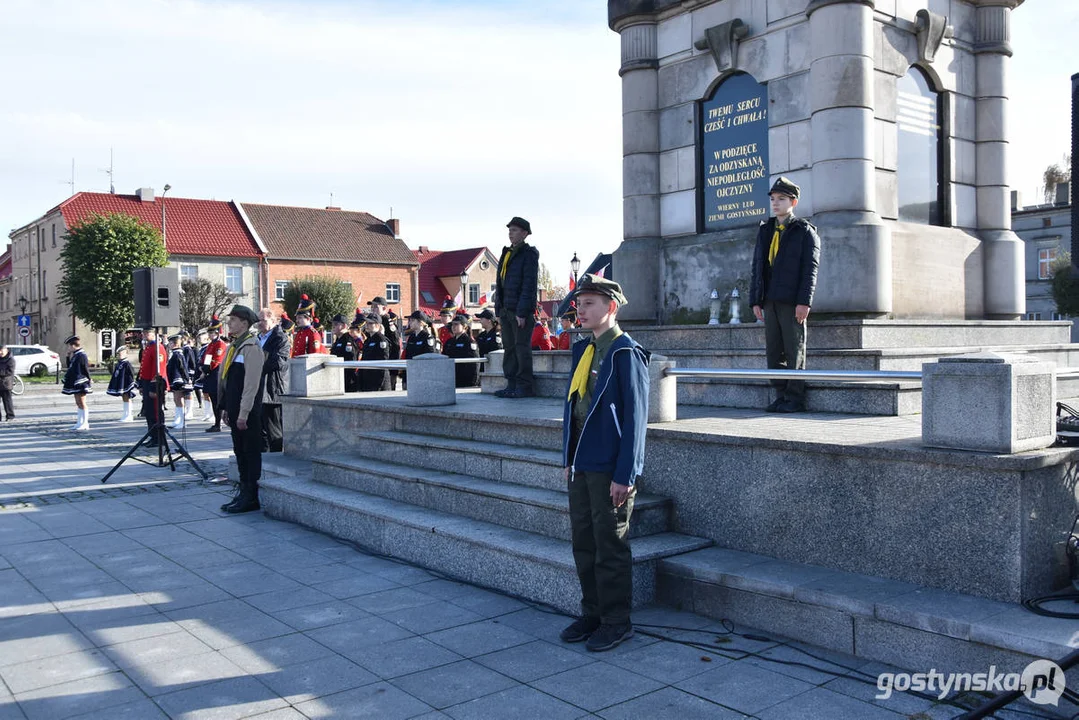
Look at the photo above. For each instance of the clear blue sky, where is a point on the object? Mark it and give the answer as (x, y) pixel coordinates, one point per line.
(457, 115)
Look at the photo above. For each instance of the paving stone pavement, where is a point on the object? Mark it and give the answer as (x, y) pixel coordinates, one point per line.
(140, 599)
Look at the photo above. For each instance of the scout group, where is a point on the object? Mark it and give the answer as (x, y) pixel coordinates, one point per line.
(605, 408)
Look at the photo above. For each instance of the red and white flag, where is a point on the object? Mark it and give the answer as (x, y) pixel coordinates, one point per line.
(572, 283)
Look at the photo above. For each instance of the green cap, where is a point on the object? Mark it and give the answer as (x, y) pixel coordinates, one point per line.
(786, 186)
(244, 313)
(601, 286)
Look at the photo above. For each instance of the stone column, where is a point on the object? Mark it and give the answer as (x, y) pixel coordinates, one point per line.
(1005, 293)
(856, 264)
(637, 259)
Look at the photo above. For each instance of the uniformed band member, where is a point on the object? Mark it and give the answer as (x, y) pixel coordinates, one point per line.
(345, 347)
(286, 324)
(782, 283)
(391, 328)
(122, 383)
(275, 354)
(461, 345)
(307, 340)
(445, 317)
(419, 340)
(77, 382)
(604, 421)
(192, 359)
(211, 364)
(569, 321)
(179, 380)
(355, 331)
(541, 335)
(490, 339)
(153, 364)
(240, 391)
(375, 347)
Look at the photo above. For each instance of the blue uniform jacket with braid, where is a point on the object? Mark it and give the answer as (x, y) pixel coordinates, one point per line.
(612, 438)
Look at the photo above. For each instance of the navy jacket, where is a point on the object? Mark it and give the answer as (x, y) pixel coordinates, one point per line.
(792, 278)
(517, 293)
(612, 439)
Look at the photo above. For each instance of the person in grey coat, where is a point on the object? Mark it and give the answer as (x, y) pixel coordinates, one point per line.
(7, 381)
(276, 349)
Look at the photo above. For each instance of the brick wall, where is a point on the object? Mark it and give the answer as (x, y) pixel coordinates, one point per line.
(371, 280)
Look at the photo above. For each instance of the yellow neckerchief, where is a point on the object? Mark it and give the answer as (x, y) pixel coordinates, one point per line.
(580, 375)
(506, 261)
(234, 348)
(774, 249)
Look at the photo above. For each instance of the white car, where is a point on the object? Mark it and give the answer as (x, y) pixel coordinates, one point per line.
(34, 359)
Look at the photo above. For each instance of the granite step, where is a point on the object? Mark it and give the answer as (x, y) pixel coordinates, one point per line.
(524, 564)
(518, 465)
(536, 510)
(846, 334)
(878, 619)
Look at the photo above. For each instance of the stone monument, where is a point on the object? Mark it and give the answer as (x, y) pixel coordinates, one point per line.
(891, 115)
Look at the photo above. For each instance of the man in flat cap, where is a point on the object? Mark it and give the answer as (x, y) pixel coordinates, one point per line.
(603, 429)
(515, 303)
(782, 283)
(240, 392)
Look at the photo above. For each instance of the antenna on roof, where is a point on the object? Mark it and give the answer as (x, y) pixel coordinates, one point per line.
(112, 187)
(331, 199)
(71, 182)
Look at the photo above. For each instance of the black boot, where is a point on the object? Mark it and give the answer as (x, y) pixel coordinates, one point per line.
(247, 500)
(235, 499)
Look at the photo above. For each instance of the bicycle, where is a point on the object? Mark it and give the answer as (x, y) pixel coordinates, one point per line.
(17, 385)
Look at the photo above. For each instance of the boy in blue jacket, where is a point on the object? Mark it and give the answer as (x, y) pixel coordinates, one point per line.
(603, 429)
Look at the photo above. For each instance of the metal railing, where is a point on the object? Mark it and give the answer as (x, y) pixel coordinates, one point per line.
(850, 376)
(391, 364)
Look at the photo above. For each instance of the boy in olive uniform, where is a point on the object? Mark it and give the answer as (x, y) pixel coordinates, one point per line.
(603, 430)
(782, 283)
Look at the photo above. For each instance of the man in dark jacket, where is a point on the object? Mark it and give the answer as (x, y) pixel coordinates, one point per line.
(781, 289)
(515, 303)
(7, 381)
(276, 350)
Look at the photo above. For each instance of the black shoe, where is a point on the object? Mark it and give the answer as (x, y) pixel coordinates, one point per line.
(580, 630)
(505, 392)
(242, 506)
(214, 428)
(774, 405)
(791, 406)
(608, 637)
(230, 503)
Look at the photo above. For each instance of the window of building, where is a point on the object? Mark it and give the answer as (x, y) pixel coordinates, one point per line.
(427, 297)
(44, 284)
(1058, 316)
(1034, 316)
(473, 293)
(1046, 257)
(54, 234)
(234, 279)
(279, 289)
(393, 293)
(919, 170)
(189, 272)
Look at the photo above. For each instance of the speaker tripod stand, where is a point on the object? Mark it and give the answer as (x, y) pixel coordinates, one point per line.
(162, 434)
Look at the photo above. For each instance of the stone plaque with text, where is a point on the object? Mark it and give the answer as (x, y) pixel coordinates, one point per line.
(734, 155)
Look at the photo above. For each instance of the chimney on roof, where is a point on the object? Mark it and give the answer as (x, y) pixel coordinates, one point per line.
(424, 249)
(145, 194)
(332, 207)
(1017, 200)
(1063, 193)
(395, 226)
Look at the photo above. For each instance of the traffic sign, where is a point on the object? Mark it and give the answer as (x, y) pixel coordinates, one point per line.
(24, 331)
(23, 321)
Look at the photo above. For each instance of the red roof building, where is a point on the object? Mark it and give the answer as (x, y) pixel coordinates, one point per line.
(204, 238)
(440, 276)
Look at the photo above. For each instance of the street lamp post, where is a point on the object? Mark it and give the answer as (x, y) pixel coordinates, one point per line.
(163, 235)
(464, 289)
(575, 265)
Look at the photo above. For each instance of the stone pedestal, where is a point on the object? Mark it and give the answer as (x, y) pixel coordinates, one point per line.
(988, 402)
(309, 376)
(494, 362)
(431, 381)
(662, 391)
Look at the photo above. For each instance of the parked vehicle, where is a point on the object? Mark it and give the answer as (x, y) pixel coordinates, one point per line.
(36, 360)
